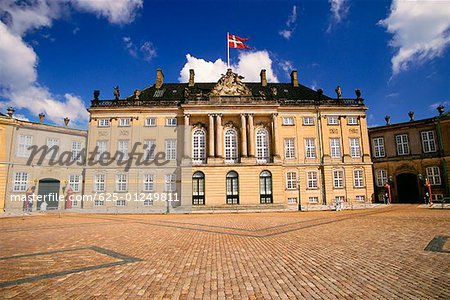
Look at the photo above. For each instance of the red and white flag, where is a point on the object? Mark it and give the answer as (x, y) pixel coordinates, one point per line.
(237, 42)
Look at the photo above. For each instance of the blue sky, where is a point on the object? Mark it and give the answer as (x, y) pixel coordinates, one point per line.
(53, 54)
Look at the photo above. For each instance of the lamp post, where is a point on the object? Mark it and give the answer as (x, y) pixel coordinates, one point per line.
(420, 177)
(441, 110)
(299, 199)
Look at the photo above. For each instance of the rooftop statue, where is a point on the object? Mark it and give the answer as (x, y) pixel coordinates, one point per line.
(230, 84)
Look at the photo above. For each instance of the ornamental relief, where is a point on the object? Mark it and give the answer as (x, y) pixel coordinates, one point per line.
(103, 133)
(333, 131)
(230, 84)
(124, 132)
(353, 130)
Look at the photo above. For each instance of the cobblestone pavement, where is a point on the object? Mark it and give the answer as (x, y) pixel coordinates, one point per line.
(398, 252)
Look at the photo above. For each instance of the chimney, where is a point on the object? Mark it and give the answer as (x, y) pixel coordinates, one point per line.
(191, 77)
(159, 78)
(263, 77)
(41, 118)
(294, 78)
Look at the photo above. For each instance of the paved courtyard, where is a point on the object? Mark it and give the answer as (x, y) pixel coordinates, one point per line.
(401, 251)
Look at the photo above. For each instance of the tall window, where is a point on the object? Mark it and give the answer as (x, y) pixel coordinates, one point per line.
(355, 150)
(171, 149)
(378, 147)
(358, 180)
(338, 179)
(434, 175)
(312, 179)
(289, 148)
(199, 145)
(170, 183)
(232, 186)
(20, 182)
(52, 142)
(75, 182)
(124, 122)
(149, 149)
(381, 177)
(291, 180)
(149, 185)
(335, 147)
(121, 182)
(402, 144)
(102, 147)
(262, 144)
(231, 151)
(265, 187)
(76, 151)
(310, 148)
(25, 142)
(428, 141)
(122, 147)
(99, 185)
(198, 188)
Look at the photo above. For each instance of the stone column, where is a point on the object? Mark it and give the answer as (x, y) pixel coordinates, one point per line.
(187, 136)
(244, 135)
(251, 135)
(211, 135)
(219, 149)
(275, 135)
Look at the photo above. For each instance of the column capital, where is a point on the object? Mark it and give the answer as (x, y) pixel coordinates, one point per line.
(218, 115)
(187, 115)
(275, 114)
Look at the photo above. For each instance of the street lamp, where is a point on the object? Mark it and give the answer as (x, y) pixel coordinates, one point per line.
(441, 110)
(420, 177)
(299, 199)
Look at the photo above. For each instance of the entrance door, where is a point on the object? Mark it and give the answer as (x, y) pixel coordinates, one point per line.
(407, 188)
(48, 191)
(265, 187)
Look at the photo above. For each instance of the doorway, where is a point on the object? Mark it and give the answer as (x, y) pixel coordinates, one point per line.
(48, 191)
(407, 188)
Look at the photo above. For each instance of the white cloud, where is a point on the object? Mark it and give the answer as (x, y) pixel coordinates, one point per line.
(248, 65)
(290, 23)
(285, 33)
(293, 17)
(116, 11)
(420, 29)
(21, 117)
(146, 51)
(339, 11)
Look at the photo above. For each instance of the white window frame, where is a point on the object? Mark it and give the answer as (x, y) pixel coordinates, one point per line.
(231, 145)
(170, 122)
(355, 148)
(310, 148)
(20, 183)
(292, 200)
(51, 142)
(102, 147)
(312, 179)
(123, 147)
(381, 177)
(24, 141)
(335, 147)
(148, 181)
(121, 202)
(333, 120)
(98, 202)
(428, 141)
(402, 144)
(77, 147)
(262, 145)
(378, 147)
(308, 121)
(341, 199)
(103, 122)
(150, 122)
(170, 183)
(288, 121)
(121, 182)
(99, 182)
(360, 198)
(352, 120)
(75, 182)
(170, 149)
(149, 149)
(313, 199)
(291, 180)
(124, 122)
(289, 148)
(198, 145)
(338, 179)
(434, 175)
(358, 178)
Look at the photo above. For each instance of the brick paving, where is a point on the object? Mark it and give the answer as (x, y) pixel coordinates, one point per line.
(365, 254)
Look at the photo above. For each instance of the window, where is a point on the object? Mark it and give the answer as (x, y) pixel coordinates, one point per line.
(232, 186)
(288, 121)
(74, 202)
(20, 182)
(262, 145)
(124, 122)
(231, 150)
(120, 202)
(313, 200)
(312, 179)
(76, 151)
(99, 185)
(310, 148)
(434, 175)
(122, 148)
(358, 180)
(159, 93)
(170, 183)
(339, 199)
(121, 183)
(198, 188)
(354, 147)
(428, 141)
(149, 149)
(378, 147)
(361, 198)
(333, 120)
(199, 146)
(25, 142)
(291, 180)
(102, 147)
(150, 122)
(148, 202)
(308, 121)
(75, 182)
(292, 200)
(148, 183)
(381, 178)
(437, 197)
(52, 142)
(265, 187)
(103, 122)
(335, 147)
(352, 120)
(402, 144)
(171, 149)
(171, 121)
(99, 202)
(289, 148)
(338, 179)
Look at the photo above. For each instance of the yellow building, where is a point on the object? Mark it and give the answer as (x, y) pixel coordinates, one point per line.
(229, 144)
(406, 154)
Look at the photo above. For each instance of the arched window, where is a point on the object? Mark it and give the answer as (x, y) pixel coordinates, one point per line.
(262, 145)
(231, 150)
(232, 188)
(198, 146)
(198, 188)
(265, 187)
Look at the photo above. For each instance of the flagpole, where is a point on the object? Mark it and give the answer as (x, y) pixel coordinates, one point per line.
(228, 51)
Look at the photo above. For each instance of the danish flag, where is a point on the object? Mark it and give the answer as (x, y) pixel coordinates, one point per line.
(237, 42)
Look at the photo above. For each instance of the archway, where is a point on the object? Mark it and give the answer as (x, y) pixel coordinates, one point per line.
(407, 188)
(48, 192)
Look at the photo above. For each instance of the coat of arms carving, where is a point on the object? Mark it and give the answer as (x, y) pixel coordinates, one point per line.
(230, 84)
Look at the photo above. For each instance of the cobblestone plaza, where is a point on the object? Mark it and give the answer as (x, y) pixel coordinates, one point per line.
(392, 252)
